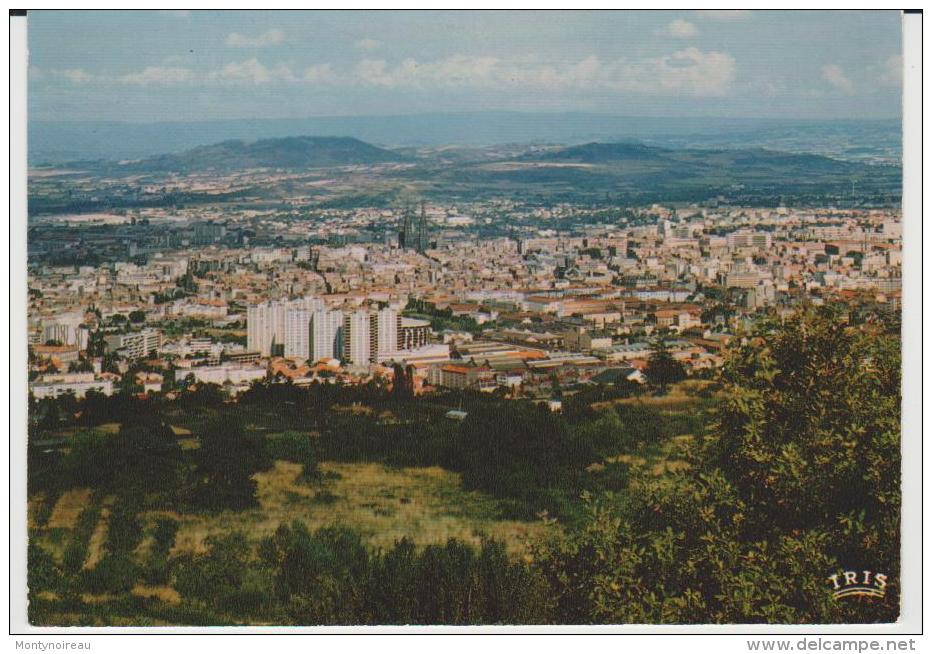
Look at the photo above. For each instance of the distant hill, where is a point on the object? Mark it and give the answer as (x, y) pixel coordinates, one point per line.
(743, 158)
(739, 164)
(294, 152)
(603, 153)
(55, 142)
(605, 173)
(640, 172)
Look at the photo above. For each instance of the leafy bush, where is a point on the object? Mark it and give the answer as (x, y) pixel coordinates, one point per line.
(330, 577)
(519, 452)
(43, 574)
(124, 531)
(115, 573)
(146, 458)
(809, 434)
(800, 478)
(662, 369)
(225, 463)
(297, 448)
(76, 551)
(163, 538)
(226, 578)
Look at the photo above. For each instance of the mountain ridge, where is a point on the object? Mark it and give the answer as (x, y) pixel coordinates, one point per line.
(292, 152)
(56, 141)
(629, 172)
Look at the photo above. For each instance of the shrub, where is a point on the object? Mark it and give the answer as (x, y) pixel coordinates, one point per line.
(297, 448)
(115, 573)
(225, 463)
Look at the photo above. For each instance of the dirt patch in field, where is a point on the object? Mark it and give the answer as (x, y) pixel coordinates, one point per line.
(68, 508)
(355, 409)
(165, 594)
(95, 546)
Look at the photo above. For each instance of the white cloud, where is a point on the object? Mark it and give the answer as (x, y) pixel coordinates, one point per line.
(690, 71)
(159, 76)
(835, 76)
(320, 74)
(368, 44)
(251, 72)
(267, 38)
(680, 29)
(457, 70)
(76, 75)
(374, 72)
(724, 15)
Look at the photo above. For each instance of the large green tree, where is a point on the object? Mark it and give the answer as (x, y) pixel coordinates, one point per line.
(145, 457)
(798, 480)
(227, 458)
(809, 433)
(662, 369)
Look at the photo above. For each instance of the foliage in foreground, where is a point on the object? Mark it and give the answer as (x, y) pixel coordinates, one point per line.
(799, 480)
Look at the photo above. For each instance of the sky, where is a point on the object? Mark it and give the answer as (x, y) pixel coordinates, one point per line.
(147, 66)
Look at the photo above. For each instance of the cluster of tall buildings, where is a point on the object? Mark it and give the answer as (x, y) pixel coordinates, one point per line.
(281, 328)
(307, 329)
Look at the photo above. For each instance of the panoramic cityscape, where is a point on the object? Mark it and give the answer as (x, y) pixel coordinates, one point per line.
(465, 360)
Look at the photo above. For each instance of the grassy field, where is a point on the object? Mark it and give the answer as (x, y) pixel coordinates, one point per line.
(683, 398)
(426, 505)
(384, 504)
(682, 416)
